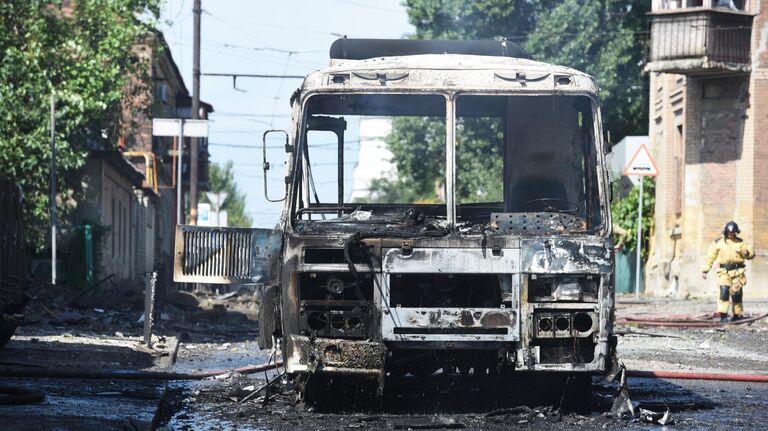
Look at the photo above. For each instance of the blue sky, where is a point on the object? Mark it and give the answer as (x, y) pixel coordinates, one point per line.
(287, 37)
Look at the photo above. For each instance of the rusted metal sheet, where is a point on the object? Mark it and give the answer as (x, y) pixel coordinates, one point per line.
(225, 255)
(331, 355)
(449, 324)
(537, 223)
(453, 261)
(551, 256)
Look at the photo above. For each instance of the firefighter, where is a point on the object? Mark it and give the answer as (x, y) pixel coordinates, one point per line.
(730, 251)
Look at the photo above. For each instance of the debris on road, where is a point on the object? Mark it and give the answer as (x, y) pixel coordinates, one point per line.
(684, 321)
(425, 422)
(659, 418)
(623, 406)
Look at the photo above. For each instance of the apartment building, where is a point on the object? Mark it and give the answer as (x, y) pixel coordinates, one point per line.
(708, 66)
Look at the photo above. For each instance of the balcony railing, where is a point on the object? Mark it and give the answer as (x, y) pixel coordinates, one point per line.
(700, 41)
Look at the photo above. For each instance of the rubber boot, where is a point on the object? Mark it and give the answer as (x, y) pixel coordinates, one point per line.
(723, 317)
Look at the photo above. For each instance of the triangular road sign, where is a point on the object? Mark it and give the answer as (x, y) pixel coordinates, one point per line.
(642, 164)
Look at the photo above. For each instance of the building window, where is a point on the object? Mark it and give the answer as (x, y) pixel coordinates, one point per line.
(681, 4)
(729, 4)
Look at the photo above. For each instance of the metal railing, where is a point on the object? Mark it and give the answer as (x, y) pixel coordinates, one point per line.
(717, 36)
(224, 255)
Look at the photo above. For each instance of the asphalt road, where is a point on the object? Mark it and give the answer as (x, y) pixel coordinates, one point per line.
(443, 401)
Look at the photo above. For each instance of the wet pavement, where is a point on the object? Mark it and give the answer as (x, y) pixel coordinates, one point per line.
(442, 401)
(83, 404)
(694, 405)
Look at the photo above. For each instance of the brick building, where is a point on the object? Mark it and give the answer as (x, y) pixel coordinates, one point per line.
(709, 130)
(132, 190)
(154, 156)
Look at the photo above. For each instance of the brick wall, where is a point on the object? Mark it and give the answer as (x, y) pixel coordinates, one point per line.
(725, 176)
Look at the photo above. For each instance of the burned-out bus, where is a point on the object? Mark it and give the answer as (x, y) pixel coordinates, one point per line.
(491, 256)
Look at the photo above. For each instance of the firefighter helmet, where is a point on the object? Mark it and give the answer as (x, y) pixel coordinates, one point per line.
(731, 227)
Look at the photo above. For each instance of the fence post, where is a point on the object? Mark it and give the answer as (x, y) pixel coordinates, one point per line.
(149, 306)
(88, 256)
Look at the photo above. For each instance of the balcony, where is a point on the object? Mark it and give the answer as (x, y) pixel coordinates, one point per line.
(700, 41)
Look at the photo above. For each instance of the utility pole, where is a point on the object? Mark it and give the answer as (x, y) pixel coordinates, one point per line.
(53, 188)
(180, 157)
(641, 165)
(193, 153)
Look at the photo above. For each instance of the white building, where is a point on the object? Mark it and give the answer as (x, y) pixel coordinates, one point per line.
(622, 153)
(374, 160)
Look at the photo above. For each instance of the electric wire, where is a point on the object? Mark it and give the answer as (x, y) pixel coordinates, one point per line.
(365, 6)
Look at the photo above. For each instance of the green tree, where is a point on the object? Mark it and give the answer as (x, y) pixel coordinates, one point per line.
(480, 19)
(418, 166)
(86, 57)
(606, 39)
(602, 37)
(222, 179)
(624, 214)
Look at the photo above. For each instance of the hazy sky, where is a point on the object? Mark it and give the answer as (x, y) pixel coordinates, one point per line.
(287, 37)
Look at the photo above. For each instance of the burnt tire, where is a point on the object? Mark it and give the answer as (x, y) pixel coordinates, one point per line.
(7, 329)
(268, 324)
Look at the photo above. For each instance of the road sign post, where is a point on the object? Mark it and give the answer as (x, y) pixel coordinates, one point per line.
(179, 127)
(642, 165)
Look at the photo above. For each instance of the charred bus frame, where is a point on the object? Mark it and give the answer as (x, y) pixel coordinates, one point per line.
(479, 287)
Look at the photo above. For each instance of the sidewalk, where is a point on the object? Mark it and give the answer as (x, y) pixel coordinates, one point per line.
(723, 349)
(93, 336)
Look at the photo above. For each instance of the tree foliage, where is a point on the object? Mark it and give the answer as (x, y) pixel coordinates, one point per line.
(624, 214)
(604, 38)
(480, 19)
(419, 167)
(85, 56)
(222, 179)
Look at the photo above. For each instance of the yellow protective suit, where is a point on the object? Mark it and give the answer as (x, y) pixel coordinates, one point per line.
(730, 255)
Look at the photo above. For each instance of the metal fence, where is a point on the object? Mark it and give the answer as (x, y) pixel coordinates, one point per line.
(225, 255)
(718, 37)
(12, 251)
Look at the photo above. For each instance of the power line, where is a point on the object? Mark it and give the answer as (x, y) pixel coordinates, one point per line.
(311, 146)
(282, 78)
(280, 86)
(271, 60)
(235, 163)
(365, 6)
(572, 34)
(255, 75)
(281, 27)
(230, 25)
(268, 48)
(255, 48)
(244, 114)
